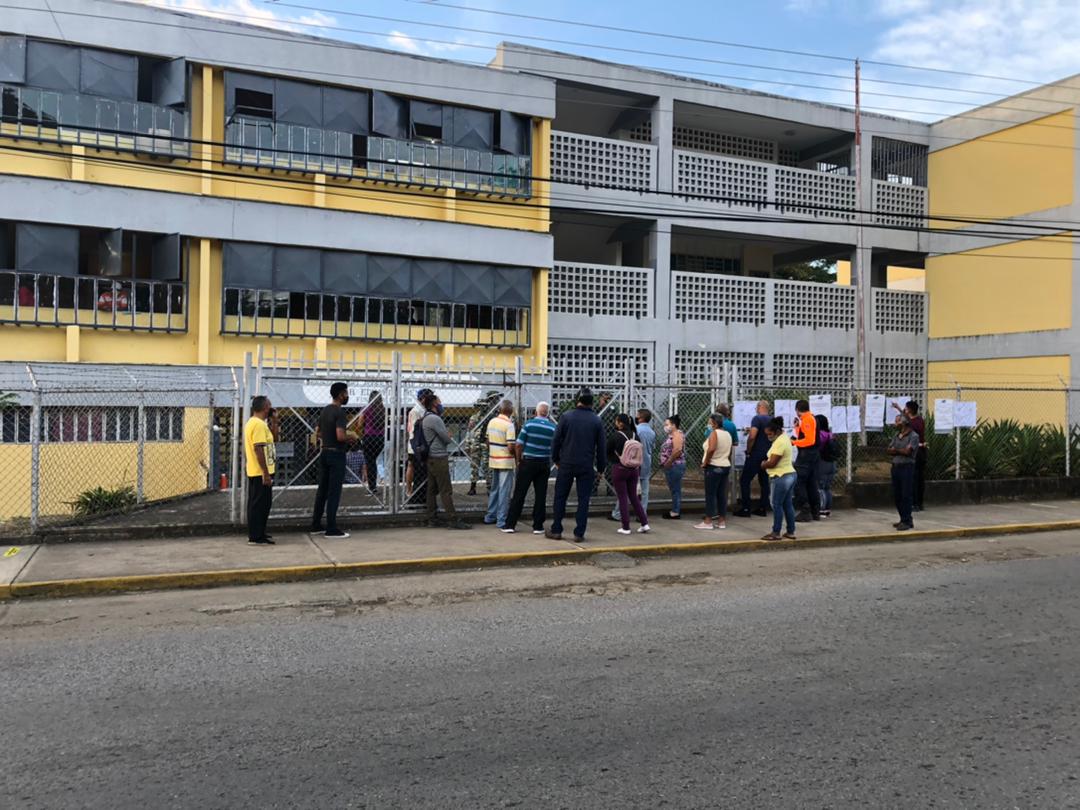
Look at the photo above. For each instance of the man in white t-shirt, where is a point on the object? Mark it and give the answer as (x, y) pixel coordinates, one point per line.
(415, 474)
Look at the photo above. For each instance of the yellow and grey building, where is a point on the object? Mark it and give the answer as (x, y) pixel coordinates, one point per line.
(182, 190)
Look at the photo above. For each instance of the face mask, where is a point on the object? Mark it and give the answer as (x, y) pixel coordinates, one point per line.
(439, 409)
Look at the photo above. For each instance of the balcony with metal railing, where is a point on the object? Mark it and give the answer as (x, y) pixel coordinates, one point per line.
(94, 121)
(254, 141)
(93, 302)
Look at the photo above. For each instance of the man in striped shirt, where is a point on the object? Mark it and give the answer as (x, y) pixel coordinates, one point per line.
(533, 450)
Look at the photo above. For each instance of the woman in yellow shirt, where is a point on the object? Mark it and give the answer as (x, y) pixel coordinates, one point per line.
(782, 479)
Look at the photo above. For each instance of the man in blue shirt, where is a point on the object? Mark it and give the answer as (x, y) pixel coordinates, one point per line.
(533, 452)
(757, 450)
(578, 450)
(647, 436)
(725, 411)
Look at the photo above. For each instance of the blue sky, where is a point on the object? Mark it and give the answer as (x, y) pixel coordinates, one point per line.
(1037, 40)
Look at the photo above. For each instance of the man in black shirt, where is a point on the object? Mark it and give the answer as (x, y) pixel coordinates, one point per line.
(331, 463)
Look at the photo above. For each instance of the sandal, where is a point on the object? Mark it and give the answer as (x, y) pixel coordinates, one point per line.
(770, 537)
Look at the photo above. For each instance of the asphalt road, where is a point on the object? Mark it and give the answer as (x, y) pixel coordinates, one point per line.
(891, 685)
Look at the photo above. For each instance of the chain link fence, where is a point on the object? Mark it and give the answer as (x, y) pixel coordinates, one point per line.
(95, 444)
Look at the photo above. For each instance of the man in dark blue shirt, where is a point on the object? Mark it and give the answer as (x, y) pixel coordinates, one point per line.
(578, 450)
(757, 450)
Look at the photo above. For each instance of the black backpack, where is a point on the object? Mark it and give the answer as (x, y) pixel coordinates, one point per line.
(420, 446)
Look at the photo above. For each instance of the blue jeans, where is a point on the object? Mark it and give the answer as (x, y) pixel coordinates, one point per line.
(826, 474)
(674, 476)
(582, 478)
(502, 484)
(643, 481)
(783, 502)
(716, 479)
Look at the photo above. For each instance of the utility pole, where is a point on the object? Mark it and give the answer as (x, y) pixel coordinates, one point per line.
(861, 376)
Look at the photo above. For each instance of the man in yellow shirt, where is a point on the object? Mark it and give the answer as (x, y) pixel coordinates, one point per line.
(260, 432)
(502, 462)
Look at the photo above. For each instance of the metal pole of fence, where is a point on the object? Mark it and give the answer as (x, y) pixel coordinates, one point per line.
(213, 442)
(245, 414)
(234, 456)
(395, 454)
(519, 394)
(141, 452)
(850, 440)
(956, 433)
(1068, 427)
(259, 370)
(628, 385)
(35, 461)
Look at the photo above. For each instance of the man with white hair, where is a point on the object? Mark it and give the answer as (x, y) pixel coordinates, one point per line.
(533, 452)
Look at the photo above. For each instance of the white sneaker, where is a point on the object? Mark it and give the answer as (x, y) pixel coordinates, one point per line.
(508, 530)
(538, 531)
(644, 529)
(624, 531)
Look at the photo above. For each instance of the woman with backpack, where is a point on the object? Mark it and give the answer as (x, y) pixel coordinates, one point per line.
(826, 470)
(625, 454)
(716, 464)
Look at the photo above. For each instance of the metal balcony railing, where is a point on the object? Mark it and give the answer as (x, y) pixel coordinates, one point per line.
(102, 123)
(275, 145)
(49, 299)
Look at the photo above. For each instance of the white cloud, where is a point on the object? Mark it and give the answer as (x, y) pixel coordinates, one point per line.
(248, 11)
(1035, 40)
(403, 42)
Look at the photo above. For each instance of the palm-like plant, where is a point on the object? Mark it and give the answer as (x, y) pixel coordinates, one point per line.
(1031, 451)
(988, 450)
(940, 453)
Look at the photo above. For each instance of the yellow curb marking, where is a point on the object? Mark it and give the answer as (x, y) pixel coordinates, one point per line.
(11, 552)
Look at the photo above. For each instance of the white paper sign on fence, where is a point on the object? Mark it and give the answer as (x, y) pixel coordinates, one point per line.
(853, 425)
(838, 419)
(739, 459)
(821, 403)
(875, 411)
(895, 405)
(965, 414)
(744, 414)
(785, 409)
(944, 415)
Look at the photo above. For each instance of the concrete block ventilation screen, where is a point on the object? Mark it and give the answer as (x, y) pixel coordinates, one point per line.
(899, 375)
(899, 311)
(707, 297)
(804, 372)
(818, 306)
(897, 204)
(816, 194)
(729, 181)
(695, 366)
(586, 289)
(596, 364)
(583, 159)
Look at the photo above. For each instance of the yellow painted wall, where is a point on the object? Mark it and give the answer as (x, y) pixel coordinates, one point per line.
(1016, 171)
(170, 469)
(1027, 406)
(899, 278)
(1015, 287)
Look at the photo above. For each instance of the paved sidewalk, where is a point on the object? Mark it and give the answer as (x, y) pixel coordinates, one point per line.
(72, 569)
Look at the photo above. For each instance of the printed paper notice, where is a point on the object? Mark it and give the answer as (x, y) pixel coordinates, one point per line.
(875, 411)
(821, 403)
(785, 409)
(965, 414)
(744, 414)
(853, 425)
(944, 415)
(838, 419)
(896, 404)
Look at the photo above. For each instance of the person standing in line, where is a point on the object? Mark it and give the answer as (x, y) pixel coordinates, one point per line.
(500, 438)
(725, 411)
(807, 497)
(626, 457)
(717, 452)
(757, 450)
(647, 436)
(782, 480)
(918, 425)
(533, 450)
(434, 458)
(332, 433)
(673, 462)
(260, 433)
(415, 474)
(826, 465)
(903, 449)
(578, 450)
(373, 437)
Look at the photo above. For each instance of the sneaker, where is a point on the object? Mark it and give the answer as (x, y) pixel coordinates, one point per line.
(459, 525)
(436, 523)
(539, 531)
(669, 516)
(743, 513)
(336, 534)
(266, 541)
(508, 530)
(825, 513)
(704, 525)
(898, 524)
(903, 527)
(317, 530)
(577, 539)
(553, 535)
(645, 529)
(621, 530)
(721, 525)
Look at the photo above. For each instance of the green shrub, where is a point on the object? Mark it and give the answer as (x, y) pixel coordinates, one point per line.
(99, 501)
(987, 450)
(1031, 452)
(940, 453)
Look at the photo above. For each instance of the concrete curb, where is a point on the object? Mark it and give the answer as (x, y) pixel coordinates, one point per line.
(58, 589)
